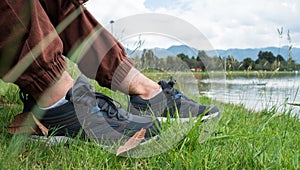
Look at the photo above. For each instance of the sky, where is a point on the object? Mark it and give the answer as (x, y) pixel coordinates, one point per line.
(225, 23)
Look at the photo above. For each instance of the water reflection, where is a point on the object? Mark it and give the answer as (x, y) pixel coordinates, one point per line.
(255, 93)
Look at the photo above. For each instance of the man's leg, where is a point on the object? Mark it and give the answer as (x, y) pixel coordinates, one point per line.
(136, 83)
(23, 44)
(56, 91)
(105, 59)
(46, 80)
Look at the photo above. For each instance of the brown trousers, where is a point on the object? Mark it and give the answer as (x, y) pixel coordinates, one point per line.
(35, 35)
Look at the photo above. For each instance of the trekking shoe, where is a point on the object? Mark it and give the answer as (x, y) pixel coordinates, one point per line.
(94, 115)
(169, 102)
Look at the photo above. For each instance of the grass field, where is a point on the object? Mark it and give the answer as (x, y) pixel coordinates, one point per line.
(241, 140)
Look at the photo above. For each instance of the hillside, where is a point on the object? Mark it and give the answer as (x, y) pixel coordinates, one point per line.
(237, 53)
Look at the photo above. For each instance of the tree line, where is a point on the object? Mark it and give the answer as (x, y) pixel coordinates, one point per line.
(266, 60)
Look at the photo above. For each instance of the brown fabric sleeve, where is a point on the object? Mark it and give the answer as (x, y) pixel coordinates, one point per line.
(102, 56)
(25, 23)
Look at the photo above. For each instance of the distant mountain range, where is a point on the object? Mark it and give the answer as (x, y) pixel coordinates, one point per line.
(239, 54)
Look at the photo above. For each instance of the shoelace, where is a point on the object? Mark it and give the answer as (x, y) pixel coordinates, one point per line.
(176, 94)
(108, 105)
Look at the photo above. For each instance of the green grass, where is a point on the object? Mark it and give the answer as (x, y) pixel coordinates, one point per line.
(241, 140)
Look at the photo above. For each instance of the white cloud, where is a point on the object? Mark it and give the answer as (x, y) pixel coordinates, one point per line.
(227, 24)
(105, 11)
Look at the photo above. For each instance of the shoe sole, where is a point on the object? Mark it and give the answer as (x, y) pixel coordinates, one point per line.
(205, 118)
(57, 140)
(210, 117)
(52, 140)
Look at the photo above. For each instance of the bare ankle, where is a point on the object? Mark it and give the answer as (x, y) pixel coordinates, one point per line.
(57, 91)
(151, 92)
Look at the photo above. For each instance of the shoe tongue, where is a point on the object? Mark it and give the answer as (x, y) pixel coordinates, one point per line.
(164, 84)
(82, 92)
(122, 114)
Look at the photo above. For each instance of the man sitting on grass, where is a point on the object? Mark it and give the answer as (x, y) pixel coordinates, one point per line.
(35, 37)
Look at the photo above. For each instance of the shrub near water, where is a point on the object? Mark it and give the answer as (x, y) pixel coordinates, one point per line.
(242, 139)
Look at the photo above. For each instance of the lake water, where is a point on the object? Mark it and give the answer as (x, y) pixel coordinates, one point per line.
(255, 93)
